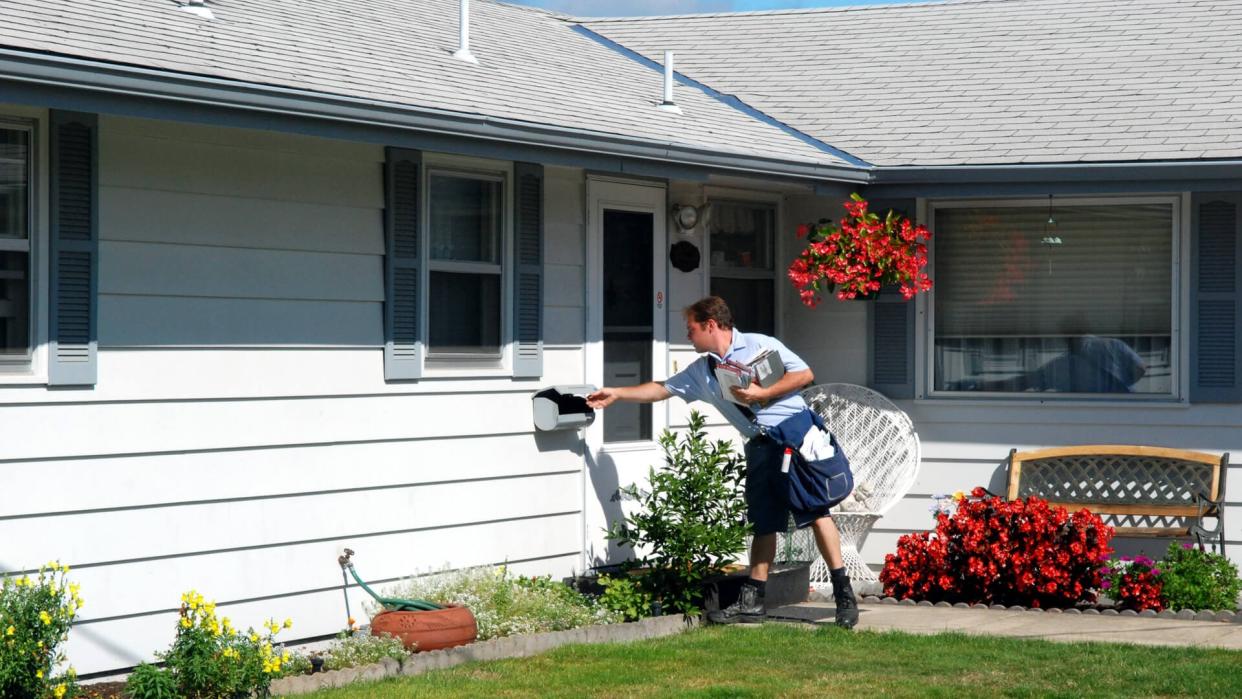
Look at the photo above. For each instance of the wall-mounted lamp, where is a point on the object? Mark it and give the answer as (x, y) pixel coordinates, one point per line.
(687, 217)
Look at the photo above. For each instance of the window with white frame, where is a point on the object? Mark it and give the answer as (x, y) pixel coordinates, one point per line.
(1055, 296)
(743, 239)
(466, 259)
(15, 244)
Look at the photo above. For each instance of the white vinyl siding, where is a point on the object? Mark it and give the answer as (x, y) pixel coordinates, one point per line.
(242, 430)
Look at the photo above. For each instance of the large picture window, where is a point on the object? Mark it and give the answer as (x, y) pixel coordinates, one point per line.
(743, 237)
(1067, 297)
(466, 227)
(15, 245)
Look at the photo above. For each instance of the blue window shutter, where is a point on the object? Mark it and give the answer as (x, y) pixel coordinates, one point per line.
(890, 326)
(890, 355)
(1216, 227)
(74, 246)
(528, 270)
(403, 344)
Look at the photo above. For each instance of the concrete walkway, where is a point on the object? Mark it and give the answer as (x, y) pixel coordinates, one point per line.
(1029, 624)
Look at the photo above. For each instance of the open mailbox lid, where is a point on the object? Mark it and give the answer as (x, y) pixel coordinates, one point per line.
(562, 407)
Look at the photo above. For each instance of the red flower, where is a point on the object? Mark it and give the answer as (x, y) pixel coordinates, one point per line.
(861, 255)
(996, 551)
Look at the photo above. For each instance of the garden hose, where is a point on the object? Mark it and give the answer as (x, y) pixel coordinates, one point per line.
(392, 604)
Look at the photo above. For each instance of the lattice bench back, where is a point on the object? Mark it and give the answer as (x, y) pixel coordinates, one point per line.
(1146, 491)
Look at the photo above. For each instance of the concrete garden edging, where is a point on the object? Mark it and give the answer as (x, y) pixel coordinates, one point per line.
(1234, 617)
(494, 649)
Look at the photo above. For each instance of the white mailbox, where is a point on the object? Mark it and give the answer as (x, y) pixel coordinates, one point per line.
(562, 408)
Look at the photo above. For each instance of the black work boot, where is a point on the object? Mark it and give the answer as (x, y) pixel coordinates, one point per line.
(748, 609)
(847, 606)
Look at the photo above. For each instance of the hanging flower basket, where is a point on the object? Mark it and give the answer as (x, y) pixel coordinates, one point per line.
(860, 256)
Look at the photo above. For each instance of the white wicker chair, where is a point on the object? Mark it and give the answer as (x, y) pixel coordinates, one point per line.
(883, 449)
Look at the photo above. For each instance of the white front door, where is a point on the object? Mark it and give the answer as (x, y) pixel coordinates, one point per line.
(627, 344)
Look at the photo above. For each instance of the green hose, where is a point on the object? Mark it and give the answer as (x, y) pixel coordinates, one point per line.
(394, 604)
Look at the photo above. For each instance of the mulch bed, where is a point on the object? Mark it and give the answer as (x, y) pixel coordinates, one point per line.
(104, 690)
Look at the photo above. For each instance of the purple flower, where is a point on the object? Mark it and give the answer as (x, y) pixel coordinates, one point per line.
(1106, 584)
(1127, 559)
(1155, 571)
(1188, 546)
(1143, 561)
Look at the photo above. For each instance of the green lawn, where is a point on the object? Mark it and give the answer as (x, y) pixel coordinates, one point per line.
(784, 661)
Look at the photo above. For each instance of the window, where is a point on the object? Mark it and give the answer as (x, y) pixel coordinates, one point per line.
(15, 247)
(742, 271)
(1073, 297)
(466, 227)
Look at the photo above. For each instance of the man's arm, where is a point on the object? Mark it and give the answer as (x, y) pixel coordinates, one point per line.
(790, 382)
(650, 392)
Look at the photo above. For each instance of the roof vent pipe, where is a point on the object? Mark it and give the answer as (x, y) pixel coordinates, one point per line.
(463, 51)
(668, 104)
(199, 8)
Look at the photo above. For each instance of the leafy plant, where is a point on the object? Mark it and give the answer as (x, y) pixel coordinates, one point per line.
(211, 659)
(150, 682)
(505, 605)
(1195, 579)
(1134, 582)
(626, 597)
(35, 616)
(692, 520)
(1003, 552)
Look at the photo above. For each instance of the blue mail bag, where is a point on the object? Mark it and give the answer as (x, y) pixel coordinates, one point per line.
(814, 486)
(818, 485)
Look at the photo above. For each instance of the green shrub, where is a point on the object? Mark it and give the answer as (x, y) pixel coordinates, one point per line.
(691, 522)
(211, 659)
(626, 597)
(350, 650)
(35, 616)
(504, 605)
(1195, 579)
(150, 682)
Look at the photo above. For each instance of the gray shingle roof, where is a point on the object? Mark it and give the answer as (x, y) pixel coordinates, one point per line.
(534, 66)
(978, 81)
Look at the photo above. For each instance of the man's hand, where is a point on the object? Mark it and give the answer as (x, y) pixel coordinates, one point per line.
(602, 398)
(754, 393)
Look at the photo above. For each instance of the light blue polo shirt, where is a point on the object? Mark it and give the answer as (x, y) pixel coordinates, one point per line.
(698, 382)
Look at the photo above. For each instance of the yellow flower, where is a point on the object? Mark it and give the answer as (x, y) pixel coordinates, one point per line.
(254, 637)
(45, 618)
(186, 623)
(288, 623)
(39, 674)
(10, 631)
(60, 691)
(959, 496)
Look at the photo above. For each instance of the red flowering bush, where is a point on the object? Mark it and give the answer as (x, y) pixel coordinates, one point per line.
(861, 255)
(1134, 583)
(997, 551)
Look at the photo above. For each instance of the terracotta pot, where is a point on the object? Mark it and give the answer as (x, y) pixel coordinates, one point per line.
(430, 630)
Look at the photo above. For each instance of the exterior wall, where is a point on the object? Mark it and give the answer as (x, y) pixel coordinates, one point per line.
(241, 430)
(965, 443)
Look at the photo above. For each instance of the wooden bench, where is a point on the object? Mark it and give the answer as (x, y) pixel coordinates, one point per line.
(1141, 491)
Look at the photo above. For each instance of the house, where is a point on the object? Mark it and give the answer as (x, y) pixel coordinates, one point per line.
(280, 276)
